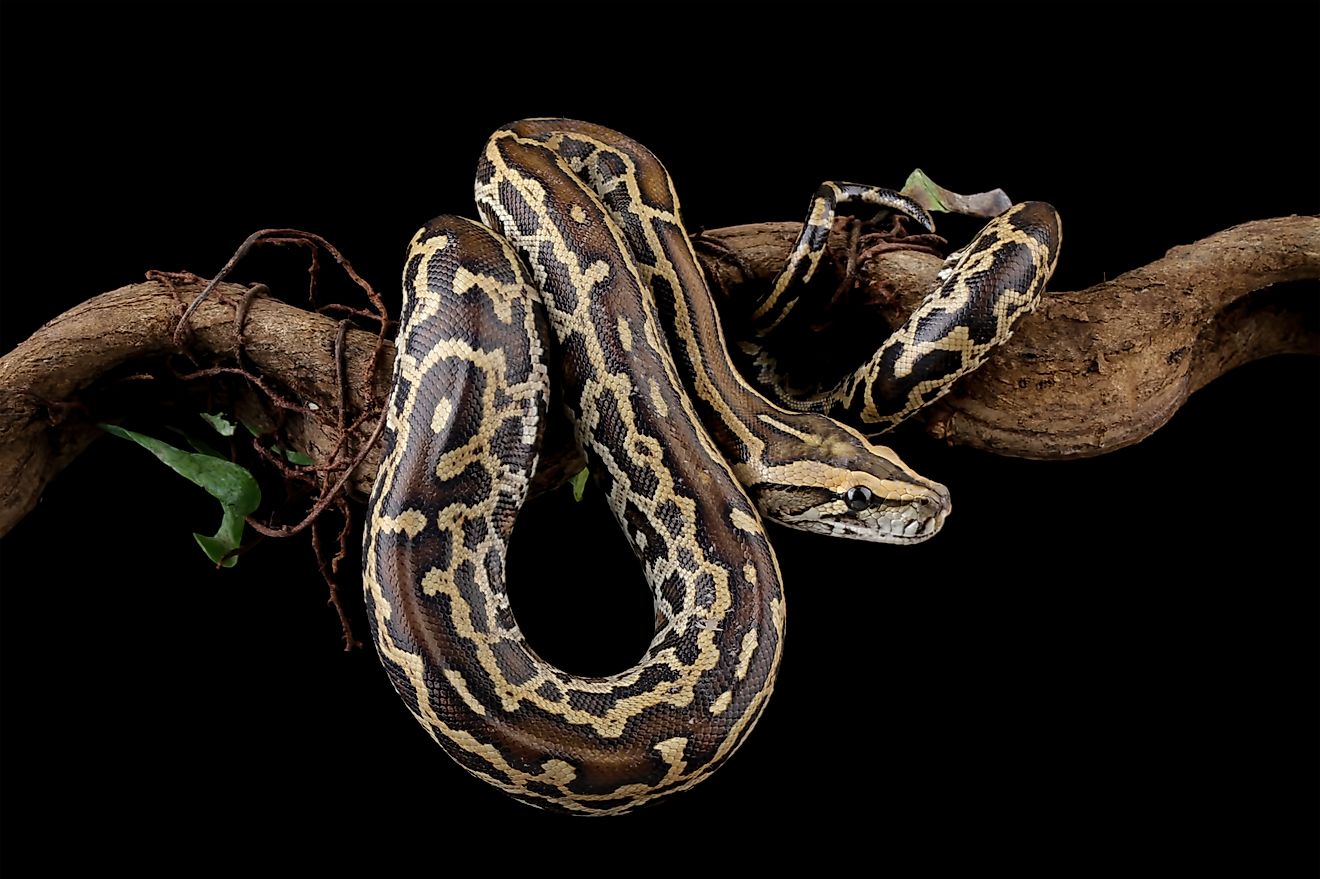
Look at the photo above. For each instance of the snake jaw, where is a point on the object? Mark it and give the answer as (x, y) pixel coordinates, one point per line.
(937, 506)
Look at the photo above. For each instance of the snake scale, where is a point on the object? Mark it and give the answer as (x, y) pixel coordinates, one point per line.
(582, 273)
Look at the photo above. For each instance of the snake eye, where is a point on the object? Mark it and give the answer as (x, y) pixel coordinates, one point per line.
(858, 498)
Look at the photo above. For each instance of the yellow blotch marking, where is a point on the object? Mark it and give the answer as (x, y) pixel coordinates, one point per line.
(428, 248)
(500, 294)
(578, 215)
(671, 751)
(821, 206)
(745, 522)
(410, 522)
(557, 772)
(444, 410)
(749, 573)
(720, 705)
(745, 652)
(789, 429)
(658, 401)
(625, 334)
(595, 273)
(460, 686)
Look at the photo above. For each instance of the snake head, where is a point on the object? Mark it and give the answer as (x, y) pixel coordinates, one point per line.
(857, 490)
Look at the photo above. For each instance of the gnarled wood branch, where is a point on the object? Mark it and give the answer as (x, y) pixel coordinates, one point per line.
(1090, 372)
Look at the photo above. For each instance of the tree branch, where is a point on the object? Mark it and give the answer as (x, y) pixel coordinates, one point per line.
(1090, 372)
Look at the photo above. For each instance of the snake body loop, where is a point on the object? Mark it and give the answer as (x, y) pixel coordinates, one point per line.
(984, 290)
(583, 239)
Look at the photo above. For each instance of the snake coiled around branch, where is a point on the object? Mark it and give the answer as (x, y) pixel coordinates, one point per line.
(583, 236)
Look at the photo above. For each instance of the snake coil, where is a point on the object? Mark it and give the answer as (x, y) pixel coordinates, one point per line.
(582, 242)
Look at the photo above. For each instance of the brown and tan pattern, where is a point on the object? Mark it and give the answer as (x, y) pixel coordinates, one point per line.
(583, 235)
(983, 291)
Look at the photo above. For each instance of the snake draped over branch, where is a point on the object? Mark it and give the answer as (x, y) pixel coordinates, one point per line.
(582, 273)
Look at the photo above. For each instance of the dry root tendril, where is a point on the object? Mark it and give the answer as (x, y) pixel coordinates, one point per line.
(327, 481)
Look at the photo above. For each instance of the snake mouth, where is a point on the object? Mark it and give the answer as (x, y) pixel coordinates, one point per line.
(919, 530)
(907, 531)
(899, 530)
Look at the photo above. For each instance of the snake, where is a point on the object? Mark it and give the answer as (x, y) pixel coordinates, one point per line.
(581, 273)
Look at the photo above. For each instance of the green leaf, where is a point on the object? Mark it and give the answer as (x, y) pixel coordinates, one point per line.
(222, 425)
(230, 484)
(933, 197)
(923, 191)
(199, 445)
(579, 483)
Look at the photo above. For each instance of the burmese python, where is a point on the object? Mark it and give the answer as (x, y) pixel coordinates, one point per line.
(592, 217)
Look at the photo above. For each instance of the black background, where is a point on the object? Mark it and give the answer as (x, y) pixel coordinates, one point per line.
(1096, 662)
